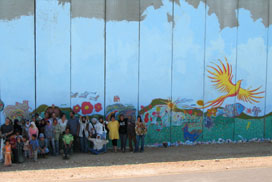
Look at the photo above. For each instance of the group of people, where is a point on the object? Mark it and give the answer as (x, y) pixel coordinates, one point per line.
(51, 135)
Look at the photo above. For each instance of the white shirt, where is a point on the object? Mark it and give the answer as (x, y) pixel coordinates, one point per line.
(100, 128)
(98, 143)
(62, 124)
(83, 127)
(92, 128)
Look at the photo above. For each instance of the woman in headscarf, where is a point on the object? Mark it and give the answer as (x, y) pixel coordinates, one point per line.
(33, 130)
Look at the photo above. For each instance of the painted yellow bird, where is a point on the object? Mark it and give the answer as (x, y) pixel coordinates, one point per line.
(222, 76)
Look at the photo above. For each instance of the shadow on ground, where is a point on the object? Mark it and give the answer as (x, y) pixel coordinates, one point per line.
(151, 155)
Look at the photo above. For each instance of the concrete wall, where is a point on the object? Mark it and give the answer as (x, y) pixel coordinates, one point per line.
(156, 58)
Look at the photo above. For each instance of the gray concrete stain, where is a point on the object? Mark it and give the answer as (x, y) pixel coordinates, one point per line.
(14, 9)
(128, 10)
(226, 10)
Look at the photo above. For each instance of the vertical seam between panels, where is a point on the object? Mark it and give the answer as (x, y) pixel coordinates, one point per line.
(105, 51)
(70, 53)
(139, 54)
(35, 57)
(236, 65)
(172, 54)
(267, 44)
(204, 59)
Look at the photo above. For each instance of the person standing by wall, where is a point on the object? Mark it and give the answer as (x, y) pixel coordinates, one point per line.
(56, 135)
(33, 130)
(7, 129)
(141, 131)
(34, 147)
(113, 127)
(123, 132)
(131, 133)
(101, 131)
(49, 137)
(7, 153)
(67, 141)
(73, 123)
(63, 123)
(83, 133)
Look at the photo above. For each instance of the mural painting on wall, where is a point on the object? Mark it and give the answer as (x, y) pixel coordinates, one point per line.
(117, 109)
(87, 107)
(157, 117)
(189, 116)
(17, 111)
(221, 76)
(2, 105)
(42, 109)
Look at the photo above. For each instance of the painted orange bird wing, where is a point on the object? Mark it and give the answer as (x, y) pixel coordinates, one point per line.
(250, 96)
(222, 76)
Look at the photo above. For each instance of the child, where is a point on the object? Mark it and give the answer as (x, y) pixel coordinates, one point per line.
(26, 147)
(67, 142)
(56, 135)
(43, 149)
(98, 145)
(12, 141)
(7, 153)
(19, 150)
(34, 146)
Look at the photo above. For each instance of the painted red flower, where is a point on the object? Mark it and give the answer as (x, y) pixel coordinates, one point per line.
(86, 108)
(98, 107)
(146, 117)
(76, 108)
(150, 106)
(190, 112)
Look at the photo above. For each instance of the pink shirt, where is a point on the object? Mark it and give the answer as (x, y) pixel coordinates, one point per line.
(33, 131)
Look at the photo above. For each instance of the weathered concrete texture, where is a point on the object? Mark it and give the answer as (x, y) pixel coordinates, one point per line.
(226, 10)
(12, 9)
(258, 9)
(117, 10)
(88, 9)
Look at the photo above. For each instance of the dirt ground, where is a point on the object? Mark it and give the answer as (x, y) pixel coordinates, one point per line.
(152, 161)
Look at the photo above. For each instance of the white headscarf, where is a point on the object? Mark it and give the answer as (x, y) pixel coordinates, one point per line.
(32, 123)
(27, 125)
